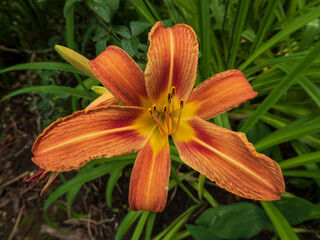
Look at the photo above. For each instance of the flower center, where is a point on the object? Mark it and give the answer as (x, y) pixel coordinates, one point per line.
(168, 119)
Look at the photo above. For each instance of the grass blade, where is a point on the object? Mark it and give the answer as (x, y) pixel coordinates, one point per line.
(281, 225)
(52, 89)
(294, 26)
(281, 88)
(43, 66)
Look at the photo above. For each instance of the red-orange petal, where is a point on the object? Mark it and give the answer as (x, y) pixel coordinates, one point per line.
(105, 100)
(70, 142)
(119, 73)
(172, 61)
(219, 94)
(150, 176)
(227, 158)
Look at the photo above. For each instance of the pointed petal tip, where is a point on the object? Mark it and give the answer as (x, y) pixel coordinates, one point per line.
(227, 158)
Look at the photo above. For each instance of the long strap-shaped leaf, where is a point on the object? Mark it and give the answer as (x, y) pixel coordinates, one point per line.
(281, 224)
(43, 66)
(52, 89)
(295, 25)
(281, 88)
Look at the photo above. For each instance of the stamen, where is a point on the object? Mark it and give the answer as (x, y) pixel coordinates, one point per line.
(173, 91)
(166, 115)
(154, 107)
(178, 121)
(172, 115)
(169, 99)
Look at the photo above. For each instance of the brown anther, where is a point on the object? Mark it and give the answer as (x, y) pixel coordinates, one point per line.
(169, 98)
(164, 109)
(173, 91)
(181, 103)
(150, 111)
(154, 107)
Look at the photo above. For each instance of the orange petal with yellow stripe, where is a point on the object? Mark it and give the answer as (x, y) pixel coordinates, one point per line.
(219, 94)
(172, 62)
(71, 142)
(105, 100)
(150, 176)
(227, 158)
(119, 73)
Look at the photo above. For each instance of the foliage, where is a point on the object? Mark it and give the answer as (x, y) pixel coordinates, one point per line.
(275, 43)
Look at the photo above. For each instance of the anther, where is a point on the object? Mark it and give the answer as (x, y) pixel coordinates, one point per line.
(181, 103)
(169, 98)
(154, 107)
(150, 111)
(164, 109)
(173, 91)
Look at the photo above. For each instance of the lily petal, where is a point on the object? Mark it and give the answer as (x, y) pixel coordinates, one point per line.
(105, 100)
(172, 61)
(150, 176)
(229, 159)
(76, 59)
(119, 73)
(70, 142)
(218, 94)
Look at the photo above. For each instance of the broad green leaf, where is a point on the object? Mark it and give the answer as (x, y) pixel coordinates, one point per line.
(295, 210)
(123, 31)
(281, 224)
(138, 27)
(239, 220)
(131, 46)
(201, 233)
(101, 8)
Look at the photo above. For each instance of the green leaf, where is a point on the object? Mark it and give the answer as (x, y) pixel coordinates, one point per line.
(51, 89)
(302, 173)
(123, 31)
(201, 233)
(296, 210)
(282, 87)
(286, 31)
(138, 27)
(43, 66)
(126, 223)
(282, 226)
(131, 46)
(240, 220)
(301, 160)
(82, 178)
(142, 8)
(150, 225)
(174, 227)
(137, 232)
(101, 8)
(112, 181)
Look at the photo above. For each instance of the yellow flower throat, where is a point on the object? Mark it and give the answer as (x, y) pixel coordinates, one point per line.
(168, 119)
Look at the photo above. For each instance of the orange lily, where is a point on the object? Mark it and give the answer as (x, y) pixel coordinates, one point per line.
(159, 103)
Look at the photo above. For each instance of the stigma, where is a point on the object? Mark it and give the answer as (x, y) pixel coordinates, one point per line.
(168, 116)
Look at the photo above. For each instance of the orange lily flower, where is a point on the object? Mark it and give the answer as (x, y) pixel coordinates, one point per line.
(160, 103)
